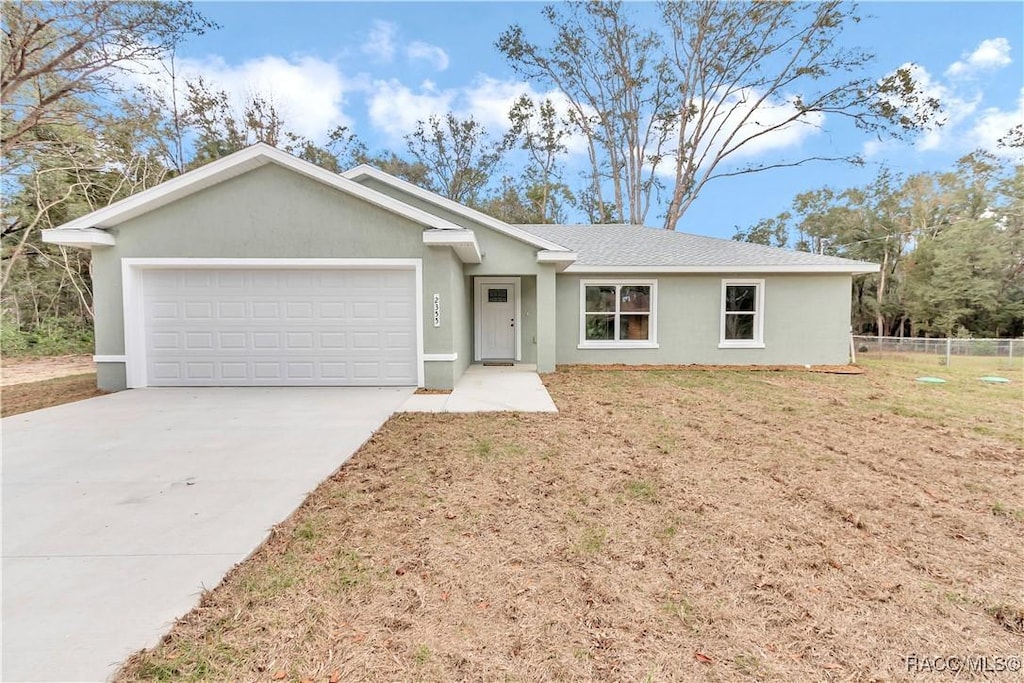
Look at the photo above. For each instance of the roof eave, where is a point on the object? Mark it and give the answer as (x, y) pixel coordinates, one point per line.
(82, 238)
(854, 268)
(561, 259)
(462, 242)
(233, 165)
(367, 171)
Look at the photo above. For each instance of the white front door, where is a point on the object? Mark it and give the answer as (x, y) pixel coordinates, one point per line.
(497, 308)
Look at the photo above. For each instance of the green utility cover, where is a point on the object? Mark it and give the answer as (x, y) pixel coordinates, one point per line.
(995, 380)
(931, 380)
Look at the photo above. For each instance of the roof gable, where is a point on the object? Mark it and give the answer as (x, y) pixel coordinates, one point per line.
(229, 167)
(367, 171)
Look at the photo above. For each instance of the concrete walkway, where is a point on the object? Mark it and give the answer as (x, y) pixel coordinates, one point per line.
(119, 510)
(483, 389)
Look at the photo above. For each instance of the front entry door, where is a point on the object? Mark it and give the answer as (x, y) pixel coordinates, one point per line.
(497, 320)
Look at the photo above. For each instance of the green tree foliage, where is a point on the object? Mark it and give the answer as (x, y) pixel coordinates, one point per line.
(950, 246)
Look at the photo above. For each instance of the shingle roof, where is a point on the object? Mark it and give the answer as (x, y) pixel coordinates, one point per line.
(647, 248)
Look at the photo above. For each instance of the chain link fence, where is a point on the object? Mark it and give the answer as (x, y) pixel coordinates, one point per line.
(995, 353)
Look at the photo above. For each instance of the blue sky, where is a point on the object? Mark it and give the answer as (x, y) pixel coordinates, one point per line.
(378, 67)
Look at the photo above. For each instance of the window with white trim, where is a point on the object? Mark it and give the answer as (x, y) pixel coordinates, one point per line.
(618, 313)
(742, 314)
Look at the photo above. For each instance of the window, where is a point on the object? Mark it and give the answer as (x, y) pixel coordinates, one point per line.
(619, 313)
(742, 314)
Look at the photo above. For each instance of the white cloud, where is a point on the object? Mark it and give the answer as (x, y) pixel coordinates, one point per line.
(308, 92)
(993, 53)
(765, 118)
(764, 128)
(380, 42)
(955, 108)
(394, 108)
(965, 126)
(994, 123)
(425, 52)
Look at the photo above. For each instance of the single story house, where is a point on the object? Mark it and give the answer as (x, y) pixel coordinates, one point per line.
(263, 269)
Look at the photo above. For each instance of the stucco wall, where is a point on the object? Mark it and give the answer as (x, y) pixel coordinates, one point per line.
(273, 213)
(806, 321)
(502, 255)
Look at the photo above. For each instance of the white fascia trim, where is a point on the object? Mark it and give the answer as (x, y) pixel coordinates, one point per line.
(134, 314)
(561, 259)
(85, 238)
(367, 171)
(462, 241)
(362, 263)
(853, 269)
(440, 357)
(233, 165)
(109, 359)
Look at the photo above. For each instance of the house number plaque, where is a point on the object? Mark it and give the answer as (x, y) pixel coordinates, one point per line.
(437, 310)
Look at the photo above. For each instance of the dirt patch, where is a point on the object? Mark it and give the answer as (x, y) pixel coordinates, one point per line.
(662, 526)
(21, 370)
(21, 398)
(432, 392)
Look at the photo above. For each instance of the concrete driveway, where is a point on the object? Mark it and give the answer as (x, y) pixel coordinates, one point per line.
(119, 510)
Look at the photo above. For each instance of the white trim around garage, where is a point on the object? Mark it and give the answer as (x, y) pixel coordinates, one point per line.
(110, 359)
(133, 296)
(440, 357)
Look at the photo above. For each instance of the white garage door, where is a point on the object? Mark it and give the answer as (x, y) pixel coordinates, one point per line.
(278, 327)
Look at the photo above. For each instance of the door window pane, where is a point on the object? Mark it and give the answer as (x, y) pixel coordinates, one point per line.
(497, 296)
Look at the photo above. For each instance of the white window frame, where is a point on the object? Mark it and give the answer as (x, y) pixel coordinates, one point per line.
(758, 341)
(651, 343)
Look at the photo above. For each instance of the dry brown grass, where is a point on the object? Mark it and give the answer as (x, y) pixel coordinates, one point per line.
(21, 398)
(664, 526)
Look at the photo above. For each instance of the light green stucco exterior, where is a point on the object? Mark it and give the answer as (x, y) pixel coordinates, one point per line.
(806, 321)
(274, 212)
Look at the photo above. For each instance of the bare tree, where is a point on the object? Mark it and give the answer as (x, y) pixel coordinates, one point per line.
(620, 99)
(687, 103)
(542, 134)
(458, 154)
(56, 53)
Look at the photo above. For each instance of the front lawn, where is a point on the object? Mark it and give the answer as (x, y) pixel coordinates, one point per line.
(666, 525)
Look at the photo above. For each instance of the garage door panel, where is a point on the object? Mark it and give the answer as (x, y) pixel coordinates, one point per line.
(270, 327)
